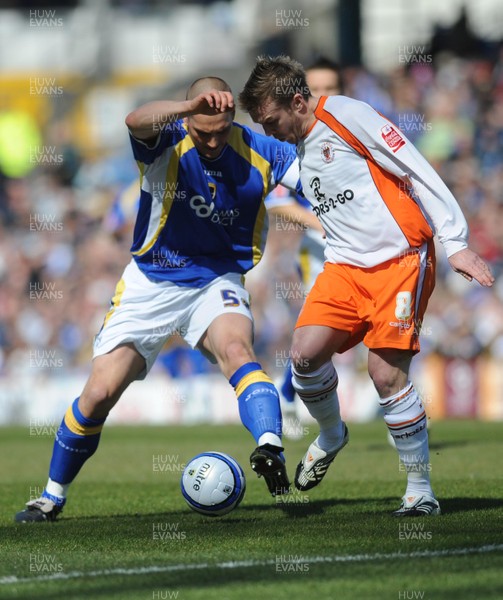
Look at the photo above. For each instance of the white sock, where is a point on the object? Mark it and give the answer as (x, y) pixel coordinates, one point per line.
(405, 417)
(270, 438)
(57, 489)
(318, 391)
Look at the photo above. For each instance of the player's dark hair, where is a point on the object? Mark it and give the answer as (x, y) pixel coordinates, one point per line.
(277, 78)
(322, 62)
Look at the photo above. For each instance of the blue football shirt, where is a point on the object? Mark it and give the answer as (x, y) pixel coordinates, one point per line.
(200, 218)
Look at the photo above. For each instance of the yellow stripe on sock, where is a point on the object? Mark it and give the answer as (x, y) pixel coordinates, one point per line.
(249, 378)
(75, 427)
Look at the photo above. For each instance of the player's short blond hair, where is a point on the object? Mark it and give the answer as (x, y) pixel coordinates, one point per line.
(276, 78)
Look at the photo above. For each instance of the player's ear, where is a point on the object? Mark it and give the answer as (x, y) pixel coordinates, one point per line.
(298, 103)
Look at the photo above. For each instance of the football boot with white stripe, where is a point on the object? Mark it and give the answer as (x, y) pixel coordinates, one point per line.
(313, 467)
(418, 506)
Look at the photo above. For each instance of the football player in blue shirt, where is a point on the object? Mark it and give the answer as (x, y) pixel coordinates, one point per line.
(201, 225)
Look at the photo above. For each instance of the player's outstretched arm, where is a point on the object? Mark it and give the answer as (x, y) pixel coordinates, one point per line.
(295, 213)
(146, 121)
(471, 266)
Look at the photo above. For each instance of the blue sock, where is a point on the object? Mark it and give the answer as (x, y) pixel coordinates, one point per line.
(287, 389)
(76, 440)
(56, 499)
(258, 403)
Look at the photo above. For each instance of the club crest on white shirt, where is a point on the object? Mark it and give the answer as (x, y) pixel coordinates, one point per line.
(327, 152)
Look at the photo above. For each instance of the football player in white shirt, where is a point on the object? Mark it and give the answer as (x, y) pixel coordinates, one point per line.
(380, 203)
(324, 78)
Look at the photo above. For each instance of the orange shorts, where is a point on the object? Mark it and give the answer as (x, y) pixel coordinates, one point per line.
(382, 306)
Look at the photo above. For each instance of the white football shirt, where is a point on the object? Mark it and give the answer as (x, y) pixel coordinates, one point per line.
(374, 193)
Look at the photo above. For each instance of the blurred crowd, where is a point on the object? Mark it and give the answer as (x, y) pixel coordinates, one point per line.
(65, 230)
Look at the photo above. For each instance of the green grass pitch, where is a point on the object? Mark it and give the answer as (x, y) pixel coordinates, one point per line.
(127, 533)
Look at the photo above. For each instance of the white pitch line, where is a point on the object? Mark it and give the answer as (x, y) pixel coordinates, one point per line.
(11, 579)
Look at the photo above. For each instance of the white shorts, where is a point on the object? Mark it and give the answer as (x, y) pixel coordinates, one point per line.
(146, 313)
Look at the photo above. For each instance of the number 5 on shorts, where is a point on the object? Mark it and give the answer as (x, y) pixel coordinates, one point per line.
(229, 297)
